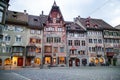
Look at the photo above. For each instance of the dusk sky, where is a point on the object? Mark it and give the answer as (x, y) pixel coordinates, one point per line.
(108, 10)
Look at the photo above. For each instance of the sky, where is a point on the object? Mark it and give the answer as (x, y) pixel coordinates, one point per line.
(108, 10)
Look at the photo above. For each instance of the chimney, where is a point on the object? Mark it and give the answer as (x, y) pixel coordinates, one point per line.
(79, 17)
(42, 12)
(25, 11)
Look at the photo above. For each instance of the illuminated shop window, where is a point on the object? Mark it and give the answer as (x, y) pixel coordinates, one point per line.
(7, 61)
(61, 60)
(0, 62)
(37, 61)
(47, 60)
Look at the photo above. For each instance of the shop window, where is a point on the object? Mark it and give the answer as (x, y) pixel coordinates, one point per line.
(101, 60)
(96, 61)
(0, 62)
(61, 60)
(7, 61)
(37, 61)
(54, 60)
(47, 60)
(92, 60)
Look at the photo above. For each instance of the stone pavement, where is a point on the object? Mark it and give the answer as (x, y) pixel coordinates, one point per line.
(64, 73)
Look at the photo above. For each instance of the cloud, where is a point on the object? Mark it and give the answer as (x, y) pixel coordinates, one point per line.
(72, 8)
(115, 21)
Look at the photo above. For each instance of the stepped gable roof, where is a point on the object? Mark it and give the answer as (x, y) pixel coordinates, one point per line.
(91, 23)
(73, 26)
(14, 17)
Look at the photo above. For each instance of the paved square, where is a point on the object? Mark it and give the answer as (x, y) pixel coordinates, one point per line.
(81, 73)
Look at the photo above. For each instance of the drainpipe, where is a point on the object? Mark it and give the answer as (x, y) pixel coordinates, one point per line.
(42, 48)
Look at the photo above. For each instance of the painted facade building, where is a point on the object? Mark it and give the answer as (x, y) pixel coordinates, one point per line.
(112, 45)
(54, 38)
(76, 44)
(34, 41)
(3, 9)
(14, 38)
(118, 51)
(95, 39)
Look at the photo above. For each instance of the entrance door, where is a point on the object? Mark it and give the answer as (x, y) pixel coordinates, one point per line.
(77, 62)
(20, 62)
(70, 63)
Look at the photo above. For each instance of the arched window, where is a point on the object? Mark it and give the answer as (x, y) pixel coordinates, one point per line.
(7, 61)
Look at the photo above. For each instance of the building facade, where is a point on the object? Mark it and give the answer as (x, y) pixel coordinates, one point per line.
(3, 9)
(54, 38)
(76, 44)
(34, 41)
(112, 45)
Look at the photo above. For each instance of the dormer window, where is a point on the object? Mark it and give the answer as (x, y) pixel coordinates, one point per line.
(77, 27)
(15, 12)
(87, 25)
(36, 20)
(14, 16)
(95, 25)
(68, 27)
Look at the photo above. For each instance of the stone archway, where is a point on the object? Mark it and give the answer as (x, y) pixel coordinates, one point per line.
(7, 61)
(101, 60)
(0, 62)
(92, 60)
(96, 60)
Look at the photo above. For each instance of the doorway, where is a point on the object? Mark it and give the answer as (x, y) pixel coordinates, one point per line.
(20, 62)
(47, 60)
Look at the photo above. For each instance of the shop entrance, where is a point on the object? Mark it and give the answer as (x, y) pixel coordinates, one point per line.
(20, 62)
(74, 62)
(0, 62)
(47, 60)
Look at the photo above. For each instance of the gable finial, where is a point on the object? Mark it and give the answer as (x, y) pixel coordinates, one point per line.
(54, 3)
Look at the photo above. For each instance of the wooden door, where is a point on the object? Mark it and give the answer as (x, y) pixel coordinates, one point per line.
(70, 63)
(20, 62)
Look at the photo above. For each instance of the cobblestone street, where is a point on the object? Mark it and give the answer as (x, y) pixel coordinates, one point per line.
(62, 73)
